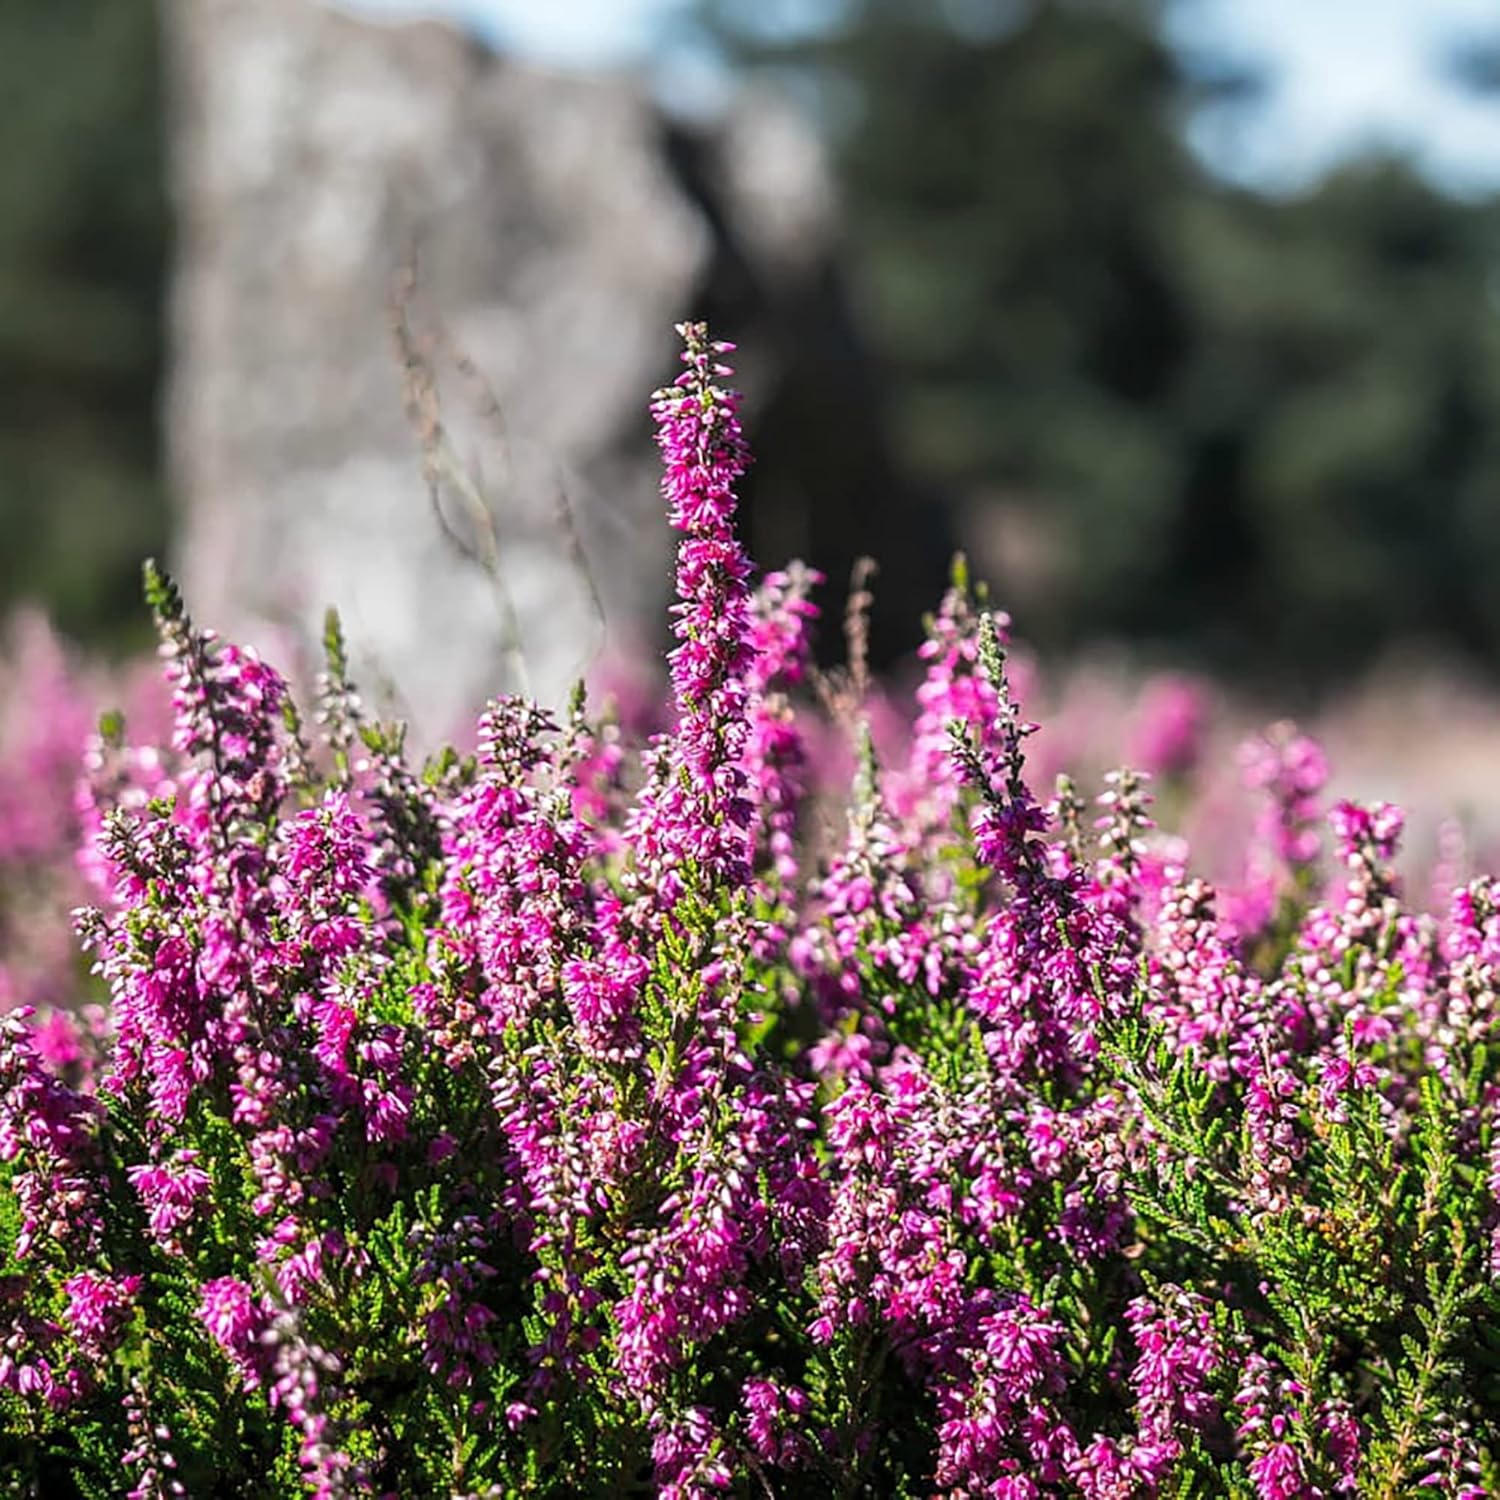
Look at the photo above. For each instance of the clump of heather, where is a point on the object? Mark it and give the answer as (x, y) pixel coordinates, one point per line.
(44, 726)
(47, 731)
(562, 1120)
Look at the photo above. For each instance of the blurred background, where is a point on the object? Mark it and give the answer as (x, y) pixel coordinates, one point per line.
(1183, 318)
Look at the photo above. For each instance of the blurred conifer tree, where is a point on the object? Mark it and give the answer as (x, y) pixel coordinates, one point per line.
(1262, 428)
(83, 234)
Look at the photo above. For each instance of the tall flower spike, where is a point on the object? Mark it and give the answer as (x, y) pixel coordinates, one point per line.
(957, 688)
(227, 706)
(776, 754)
(700, 813)
(995, 763)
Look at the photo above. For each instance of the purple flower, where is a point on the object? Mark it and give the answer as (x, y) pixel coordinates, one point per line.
(98, 1307)
(773, 1412)
(237, 1322)
(170, 1192)
(697, 810)
(47, 1130)
(1279, 1475)
(1168, 736)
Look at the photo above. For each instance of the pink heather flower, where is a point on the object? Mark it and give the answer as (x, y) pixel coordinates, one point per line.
(227, 707)
(996, 1418)
(775, 753)
(298, 1273)
(954, 690)
(458, 1329)
(98, 1307)
(1063, 947)
(327, 855)
(301, 1380)
(697, 810)
(1202, 995)
(689, 1456)
(1278, 1474)
(1454, 1466)
(45, 724)
(602, 1000)
(1338, 1078)
(237, 1322)
(1343, 1442)
(170, 1193)
(1179, 1355)
(598, 764)
(1272, 1115)
(780, 635)
(45, 721)
(1167, 738)
(772, 1412)
(1470, 942)
(149, 1460)
(512, 890)
(892, 1251)
(1122, 830)
(386, 1097)
(57, 1041)
(1292, 768)
(1365, 837)
(1268, 1400)
(688, 1282)
(335, 1020)
(46, 1129)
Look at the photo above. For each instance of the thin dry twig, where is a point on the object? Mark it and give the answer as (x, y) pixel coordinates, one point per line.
(857, 625)
(441, 467)
(842, 690)
(490, 412)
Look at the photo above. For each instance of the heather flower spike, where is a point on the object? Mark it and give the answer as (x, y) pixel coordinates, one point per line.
(718, 1117)
(700, 812)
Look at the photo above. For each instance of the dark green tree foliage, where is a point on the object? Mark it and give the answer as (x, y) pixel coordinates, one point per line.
(1256, 426)
(83, 228)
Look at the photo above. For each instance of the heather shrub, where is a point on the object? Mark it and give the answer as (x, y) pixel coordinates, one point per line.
(556, 1121)
(46, 715)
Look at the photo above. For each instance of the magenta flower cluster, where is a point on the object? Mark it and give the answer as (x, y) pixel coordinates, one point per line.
(566, 1121)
